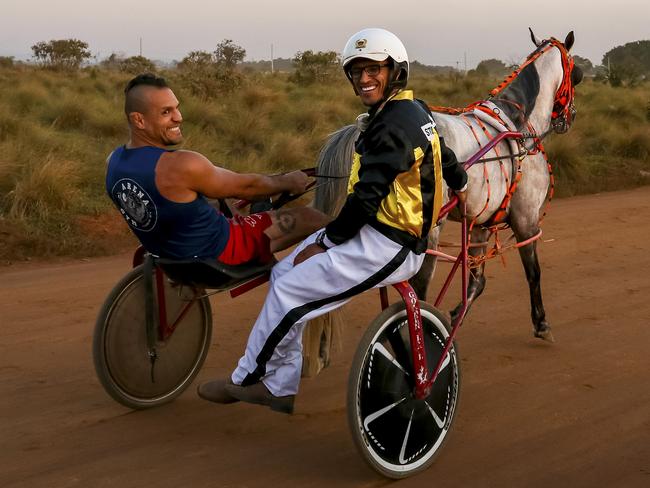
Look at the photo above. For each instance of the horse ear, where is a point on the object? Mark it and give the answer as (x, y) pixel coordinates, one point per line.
(568, 42)
(536, 41)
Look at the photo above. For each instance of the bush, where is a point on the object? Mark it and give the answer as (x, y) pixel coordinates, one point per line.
(228, 54)
(200, 72)
(63, 54)
(56, 132)
(6, 61)
(311, 67)
(43, 188)
(136, 65)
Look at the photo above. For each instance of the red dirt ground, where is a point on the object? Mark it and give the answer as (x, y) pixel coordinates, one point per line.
(532, 414)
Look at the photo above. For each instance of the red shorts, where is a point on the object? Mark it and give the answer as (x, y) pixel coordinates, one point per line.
(247, 241)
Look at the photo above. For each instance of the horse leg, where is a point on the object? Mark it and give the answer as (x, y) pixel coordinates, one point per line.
(524, 230)
(476, 275)
(528, 254)
(420, 281)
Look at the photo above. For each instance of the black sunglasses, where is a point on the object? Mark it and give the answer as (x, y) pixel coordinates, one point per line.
(371, 70)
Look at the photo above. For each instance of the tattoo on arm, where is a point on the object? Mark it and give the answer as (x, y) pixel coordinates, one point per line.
(286, 221)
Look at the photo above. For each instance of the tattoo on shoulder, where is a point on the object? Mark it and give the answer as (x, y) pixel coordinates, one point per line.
(286, 221)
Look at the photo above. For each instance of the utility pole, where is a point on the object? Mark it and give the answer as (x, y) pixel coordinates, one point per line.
(465, 62)
(271, 58)
(141, 47)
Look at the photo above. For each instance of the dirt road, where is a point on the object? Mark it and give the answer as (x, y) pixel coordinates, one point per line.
(532, 414)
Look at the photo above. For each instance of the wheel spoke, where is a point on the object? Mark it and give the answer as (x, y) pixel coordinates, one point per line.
(439, 422)
(396, 433)
(382, 350)
(401, 348)
(379, 413)
(402, 451)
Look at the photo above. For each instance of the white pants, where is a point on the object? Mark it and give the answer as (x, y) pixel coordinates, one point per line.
(316, 286)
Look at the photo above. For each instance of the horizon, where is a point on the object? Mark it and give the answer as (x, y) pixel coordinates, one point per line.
(464, 35)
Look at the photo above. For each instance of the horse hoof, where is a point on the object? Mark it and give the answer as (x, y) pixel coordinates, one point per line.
(545, 334)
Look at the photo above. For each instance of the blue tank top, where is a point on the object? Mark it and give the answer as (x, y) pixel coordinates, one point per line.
(165, 228)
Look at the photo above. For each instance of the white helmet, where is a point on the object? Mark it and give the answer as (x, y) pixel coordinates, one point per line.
(378, 45)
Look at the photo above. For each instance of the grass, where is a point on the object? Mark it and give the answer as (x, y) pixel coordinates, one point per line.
(57, 129)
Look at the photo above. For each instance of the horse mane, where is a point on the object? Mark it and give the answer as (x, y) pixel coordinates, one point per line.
(518, 99)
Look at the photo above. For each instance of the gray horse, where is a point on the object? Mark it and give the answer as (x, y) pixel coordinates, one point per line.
(538, 99)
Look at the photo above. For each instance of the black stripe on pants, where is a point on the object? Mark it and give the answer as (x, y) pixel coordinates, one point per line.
(297, 313)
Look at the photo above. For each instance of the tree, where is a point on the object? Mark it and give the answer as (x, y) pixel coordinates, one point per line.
(6, 61)
(205, 76)
(311, 67)
(136, 65)
(584, 64)
(629, 63)
(229, 54)
(66, 54)
(492, 67)
(196, 60)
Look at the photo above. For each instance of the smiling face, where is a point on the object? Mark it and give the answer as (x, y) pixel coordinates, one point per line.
(370, 79)
(158, 122)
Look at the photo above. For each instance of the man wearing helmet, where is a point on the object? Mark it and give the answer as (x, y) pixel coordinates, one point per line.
(378, 238)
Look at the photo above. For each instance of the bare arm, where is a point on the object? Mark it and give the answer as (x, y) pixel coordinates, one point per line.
(192, 172)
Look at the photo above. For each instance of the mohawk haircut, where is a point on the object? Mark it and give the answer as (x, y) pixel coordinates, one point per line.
(133, 103)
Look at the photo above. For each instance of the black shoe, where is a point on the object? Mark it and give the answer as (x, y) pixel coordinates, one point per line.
(260, 395)
(216, 391)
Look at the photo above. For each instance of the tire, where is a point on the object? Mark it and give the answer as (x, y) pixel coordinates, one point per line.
(120, 350)
(396, 434)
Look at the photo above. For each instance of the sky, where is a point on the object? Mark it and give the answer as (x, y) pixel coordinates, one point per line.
(457, 33)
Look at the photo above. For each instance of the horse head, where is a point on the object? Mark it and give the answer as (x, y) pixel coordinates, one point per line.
(545, 81)
(564, 111)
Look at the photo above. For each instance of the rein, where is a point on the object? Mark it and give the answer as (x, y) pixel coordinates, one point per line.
(285, 198)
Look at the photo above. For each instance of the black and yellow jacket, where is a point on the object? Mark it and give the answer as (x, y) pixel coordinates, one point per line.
(396, 178)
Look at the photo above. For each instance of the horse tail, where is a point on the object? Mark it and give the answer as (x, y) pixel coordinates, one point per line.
(335, 160)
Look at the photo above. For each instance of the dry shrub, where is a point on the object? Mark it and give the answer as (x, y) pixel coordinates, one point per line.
(254, 97)
(567, 157)
(246, 162)
(289, 151)
(30, 97)
(108, 127)
(43, 189)
(246, 131)
(305, 120)
(9, 126)
(204, 114)
(70, 115)
(635, 144)
(8, 170)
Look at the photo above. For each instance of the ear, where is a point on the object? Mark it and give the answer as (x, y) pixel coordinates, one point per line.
(536, 41)
(568, 42)
(137, 120)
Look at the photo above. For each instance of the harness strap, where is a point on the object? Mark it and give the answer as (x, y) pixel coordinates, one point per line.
(561, 116)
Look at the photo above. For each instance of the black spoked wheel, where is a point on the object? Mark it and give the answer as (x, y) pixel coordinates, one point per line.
(120, 350)
(395, 433)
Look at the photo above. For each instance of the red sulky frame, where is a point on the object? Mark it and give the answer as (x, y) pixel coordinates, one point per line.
(423, 383)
